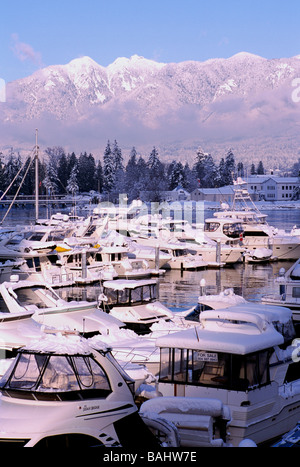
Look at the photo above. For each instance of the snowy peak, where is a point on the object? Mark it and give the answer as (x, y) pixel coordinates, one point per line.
(246, 56)
(243, 94)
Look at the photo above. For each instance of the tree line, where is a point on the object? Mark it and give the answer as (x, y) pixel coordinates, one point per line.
(146, 177)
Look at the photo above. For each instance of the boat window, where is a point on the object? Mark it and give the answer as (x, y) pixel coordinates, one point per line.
(3, 307)
(214, 369)
(146, 293)
(123, 296)
(38, 296)
(55, 373)
(26, 373)
(233, 230)
(35, 237)
(211, 226)
(140, 294)
(165, 372)
(58, 376)
(296, 292)
(136, 295)
(90, 374)
(112, 296)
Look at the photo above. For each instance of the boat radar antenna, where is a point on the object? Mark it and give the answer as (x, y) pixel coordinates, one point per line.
(36, 176)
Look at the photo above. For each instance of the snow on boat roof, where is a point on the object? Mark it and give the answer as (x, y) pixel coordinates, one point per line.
(63, 344)
(220, 335)
(270, 313)
(121, 284)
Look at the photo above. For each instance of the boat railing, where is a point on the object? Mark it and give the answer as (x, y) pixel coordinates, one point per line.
(132, 354)
(62, 277)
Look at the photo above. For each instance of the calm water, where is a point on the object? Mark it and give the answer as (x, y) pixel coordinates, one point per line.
(180, 290)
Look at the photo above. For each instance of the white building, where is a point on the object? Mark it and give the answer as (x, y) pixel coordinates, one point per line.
(272, 188)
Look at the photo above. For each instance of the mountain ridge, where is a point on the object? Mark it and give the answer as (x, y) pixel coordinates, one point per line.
(143, 102)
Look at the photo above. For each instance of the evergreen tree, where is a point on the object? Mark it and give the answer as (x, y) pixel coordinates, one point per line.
(71, 161)
(252, 169)
(156, 177)
(260, 168)
(117, 158)
(119, 175)
(205, 169)
(132, 176)
(189, 182)
(229, 168)
(86, 172)
(108, 170)
(176, 176)
(72, 184)
(51, 180)
(11, 169)
(99, 177)
(63, 172)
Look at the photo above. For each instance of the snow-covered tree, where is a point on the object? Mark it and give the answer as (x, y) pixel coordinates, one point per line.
(205, 169)
(72, 183)
(108, 169)
(176, 175)
(228, 171)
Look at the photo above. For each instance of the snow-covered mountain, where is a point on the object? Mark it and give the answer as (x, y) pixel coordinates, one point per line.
(146, 102)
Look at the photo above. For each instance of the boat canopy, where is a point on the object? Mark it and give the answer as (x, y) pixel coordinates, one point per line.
(221, 331)
(56, 368)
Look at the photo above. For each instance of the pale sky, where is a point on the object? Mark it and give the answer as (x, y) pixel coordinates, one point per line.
(36, 34)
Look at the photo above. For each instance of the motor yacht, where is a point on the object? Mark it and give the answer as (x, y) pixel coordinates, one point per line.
(61, 392)
(257, 233)
(134, 302)
(244, 356)
(182, 258)
(49, 309)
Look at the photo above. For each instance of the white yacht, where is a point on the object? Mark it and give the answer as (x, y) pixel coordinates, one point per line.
(134, 302)
(257, 232)
(49, 309)
(61, 392)
(181, 257)
(247, 358)
(288, 290)
(167, 233)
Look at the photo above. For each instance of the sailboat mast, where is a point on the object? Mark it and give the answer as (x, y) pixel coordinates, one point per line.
(36, 176)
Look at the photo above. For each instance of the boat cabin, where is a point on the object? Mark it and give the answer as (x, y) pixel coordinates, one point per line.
(130, 292)
(226, 352)
(46, 376)
(226, 230)
(62, 392)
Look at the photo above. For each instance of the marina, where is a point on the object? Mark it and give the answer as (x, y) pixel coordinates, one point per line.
(122, 293)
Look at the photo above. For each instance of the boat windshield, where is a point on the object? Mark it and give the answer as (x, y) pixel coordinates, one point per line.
(44, 373)
(128, 296)
(38, 296)
(214, 369)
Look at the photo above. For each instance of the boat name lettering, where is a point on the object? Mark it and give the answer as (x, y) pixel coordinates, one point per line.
(92, 407)
(207, 357)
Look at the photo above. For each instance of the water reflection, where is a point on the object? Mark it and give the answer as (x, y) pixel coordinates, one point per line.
(179, 290)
